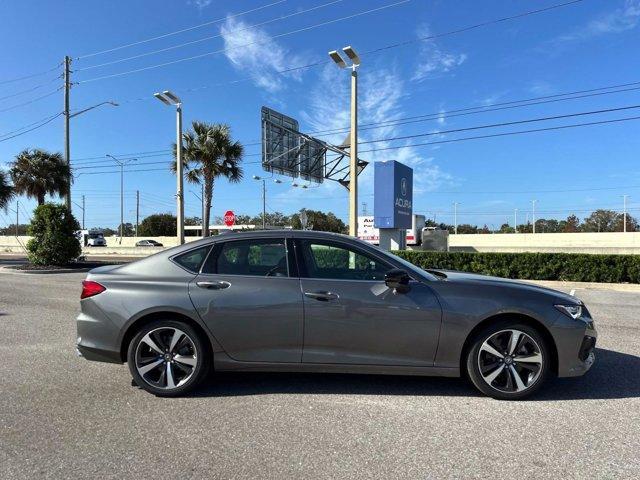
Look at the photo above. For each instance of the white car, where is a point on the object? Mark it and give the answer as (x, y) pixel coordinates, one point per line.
(96, 240)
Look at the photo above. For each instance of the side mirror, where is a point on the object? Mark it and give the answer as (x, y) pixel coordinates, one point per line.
(398, 280)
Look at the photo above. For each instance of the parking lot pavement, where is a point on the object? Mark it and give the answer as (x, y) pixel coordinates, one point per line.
(64, 417)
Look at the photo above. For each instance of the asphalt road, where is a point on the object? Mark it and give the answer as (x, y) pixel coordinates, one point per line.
(64, 417)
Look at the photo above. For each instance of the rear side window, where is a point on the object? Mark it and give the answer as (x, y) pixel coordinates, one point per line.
(193, 259)
(259, 257)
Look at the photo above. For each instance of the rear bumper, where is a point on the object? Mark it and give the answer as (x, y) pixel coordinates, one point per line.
(98, 355)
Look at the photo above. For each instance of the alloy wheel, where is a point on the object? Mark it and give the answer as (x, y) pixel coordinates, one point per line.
(510, 361)
(166, 358)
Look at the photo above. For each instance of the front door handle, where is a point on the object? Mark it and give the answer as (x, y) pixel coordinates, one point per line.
(214, 285)
(322, 296)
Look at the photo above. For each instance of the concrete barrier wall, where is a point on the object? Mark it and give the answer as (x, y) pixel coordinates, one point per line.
(605, 242)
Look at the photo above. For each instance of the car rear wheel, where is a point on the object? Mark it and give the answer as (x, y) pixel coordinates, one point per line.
(508, 361)
(167, 358)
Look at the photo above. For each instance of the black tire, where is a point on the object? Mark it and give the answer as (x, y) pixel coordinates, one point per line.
(177, 378)
(505, 386)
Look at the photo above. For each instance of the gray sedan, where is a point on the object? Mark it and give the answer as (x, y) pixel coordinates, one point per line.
(319, 302)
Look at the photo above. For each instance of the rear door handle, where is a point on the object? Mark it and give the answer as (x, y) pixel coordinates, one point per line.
(214, 285)
(322, 296)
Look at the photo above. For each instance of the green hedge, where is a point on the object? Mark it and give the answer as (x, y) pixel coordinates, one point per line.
(534, 266)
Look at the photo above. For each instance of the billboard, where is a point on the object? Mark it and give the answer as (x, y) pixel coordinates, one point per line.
(280, 140)
(393, 195)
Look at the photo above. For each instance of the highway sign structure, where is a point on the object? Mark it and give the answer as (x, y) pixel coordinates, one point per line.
(287, 151)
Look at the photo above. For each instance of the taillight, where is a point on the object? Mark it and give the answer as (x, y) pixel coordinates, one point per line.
(90, 288)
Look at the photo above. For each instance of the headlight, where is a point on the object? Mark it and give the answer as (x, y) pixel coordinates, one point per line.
(574, 311)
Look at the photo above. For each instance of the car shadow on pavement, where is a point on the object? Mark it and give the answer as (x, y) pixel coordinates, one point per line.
(614, 375)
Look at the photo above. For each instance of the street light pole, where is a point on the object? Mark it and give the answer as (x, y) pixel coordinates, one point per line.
(515, 221)
(624, 215)
(264, 200)
(169, 98)
(121, 164)
(353, 134)
(533, 214)
(455, 217)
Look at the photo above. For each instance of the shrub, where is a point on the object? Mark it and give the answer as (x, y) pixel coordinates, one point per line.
(534, 266)
(54, 241)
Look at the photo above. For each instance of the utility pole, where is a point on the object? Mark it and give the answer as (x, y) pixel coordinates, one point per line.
(455, 217)
(67, 141)
(202, 203)
(624, 215)
(17, 216)
(83, 212)
(137, 210)
(533, 214)
(515, 221)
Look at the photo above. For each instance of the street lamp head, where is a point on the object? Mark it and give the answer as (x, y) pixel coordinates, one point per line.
(277, 180)
(351, 53)
(168, 98)
(115, 104)
(257, 177)
(162, 98)
(336, 57)
(171, 96)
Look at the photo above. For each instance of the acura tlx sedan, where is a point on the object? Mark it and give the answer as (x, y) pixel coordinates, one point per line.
(319, 302)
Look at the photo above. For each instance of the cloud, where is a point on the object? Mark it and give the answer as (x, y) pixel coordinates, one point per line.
(381, 93)
(433, 60)
(200, 4)
(619, 20)
(252, 51)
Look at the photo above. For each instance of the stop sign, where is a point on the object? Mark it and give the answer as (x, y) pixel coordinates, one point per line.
(229, 218)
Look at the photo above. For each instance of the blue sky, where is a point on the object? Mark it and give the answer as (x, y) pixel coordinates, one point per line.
(586, 45)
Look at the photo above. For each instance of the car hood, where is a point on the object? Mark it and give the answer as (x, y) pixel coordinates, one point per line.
(453, 276)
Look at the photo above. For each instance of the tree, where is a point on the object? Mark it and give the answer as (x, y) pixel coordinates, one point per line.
(36, 173)
(632, 223)
(319, 221)
(466, 228)
(571, 224)
(158, 225)
(601, 221)
(506, 228)
(128, 230)
(6, 191)
(209, 153)
(11, 229)
(54, 241)
(275, 219)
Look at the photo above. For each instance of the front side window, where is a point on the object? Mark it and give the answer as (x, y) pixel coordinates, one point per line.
(259, 257)
(336, 261)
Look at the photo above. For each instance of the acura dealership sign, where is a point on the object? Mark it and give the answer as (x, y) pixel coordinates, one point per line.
(393, 195)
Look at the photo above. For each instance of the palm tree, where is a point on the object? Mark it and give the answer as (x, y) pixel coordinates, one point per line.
(208, 153)
(36, 173)
(6, 191)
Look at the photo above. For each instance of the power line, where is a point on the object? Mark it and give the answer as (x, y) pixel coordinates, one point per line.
(24, 127)
(33, 100)
(26, 77)
(211, 37)
(506, 134)
(32, 129)
(211, 22)
(503, 124)
(207, 54)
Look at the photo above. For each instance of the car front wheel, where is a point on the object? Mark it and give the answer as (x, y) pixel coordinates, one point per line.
(167, 358)
(508, 361)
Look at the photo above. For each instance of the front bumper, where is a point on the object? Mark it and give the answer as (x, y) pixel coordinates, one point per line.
(576, 344)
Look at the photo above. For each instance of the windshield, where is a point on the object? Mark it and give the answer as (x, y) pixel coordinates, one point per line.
(95, 235)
